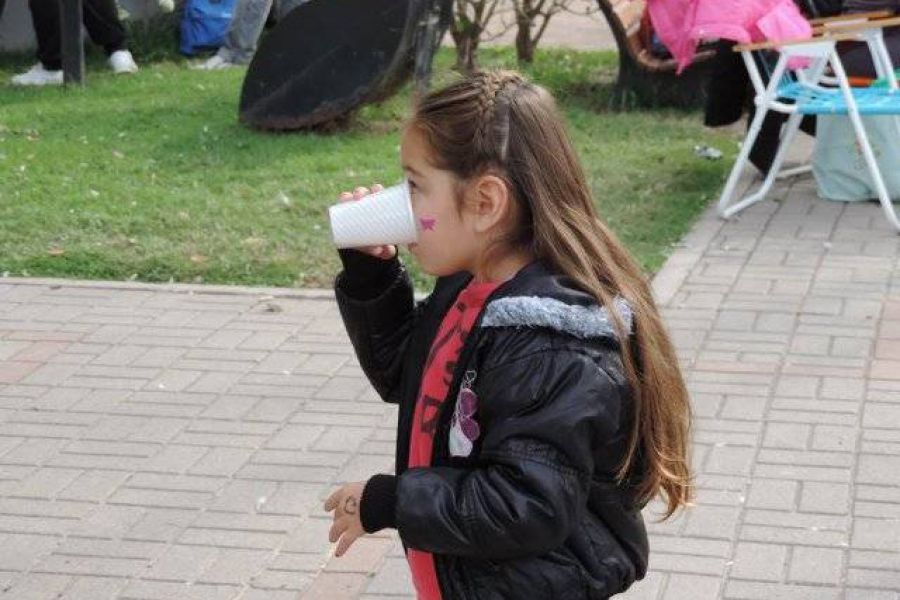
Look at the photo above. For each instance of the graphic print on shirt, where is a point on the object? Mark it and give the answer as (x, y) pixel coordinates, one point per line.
(464, 429)
(431, 405)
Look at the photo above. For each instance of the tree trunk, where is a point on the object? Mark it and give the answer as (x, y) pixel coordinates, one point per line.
(524, 44)
(466, 39)
(525, 15)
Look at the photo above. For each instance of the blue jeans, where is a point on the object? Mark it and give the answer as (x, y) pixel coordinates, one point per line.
(246, 26)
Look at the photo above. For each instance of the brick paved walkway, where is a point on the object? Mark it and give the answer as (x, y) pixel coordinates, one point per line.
(175, 443)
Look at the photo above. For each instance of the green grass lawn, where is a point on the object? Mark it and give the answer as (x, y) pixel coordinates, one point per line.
(150, 177)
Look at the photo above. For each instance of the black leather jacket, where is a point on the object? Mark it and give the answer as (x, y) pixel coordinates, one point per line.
(534, 510)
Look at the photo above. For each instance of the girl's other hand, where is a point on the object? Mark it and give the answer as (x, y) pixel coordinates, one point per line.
(383, 252)
(347, 526)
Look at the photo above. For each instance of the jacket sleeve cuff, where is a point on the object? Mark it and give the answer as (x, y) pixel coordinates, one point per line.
(378, 503)
(365, 277)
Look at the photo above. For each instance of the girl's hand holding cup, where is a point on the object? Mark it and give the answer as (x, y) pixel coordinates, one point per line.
(374, 221)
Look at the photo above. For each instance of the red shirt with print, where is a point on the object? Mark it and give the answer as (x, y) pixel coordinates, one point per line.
(436, 379)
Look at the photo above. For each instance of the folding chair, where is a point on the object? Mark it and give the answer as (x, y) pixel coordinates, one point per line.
(805, 93)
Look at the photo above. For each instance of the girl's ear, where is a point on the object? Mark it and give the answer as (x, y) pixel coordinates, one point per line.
(489, 202)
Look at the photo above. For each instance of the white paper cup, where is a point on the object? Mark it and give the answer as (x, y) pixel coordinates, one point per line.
(385, 217)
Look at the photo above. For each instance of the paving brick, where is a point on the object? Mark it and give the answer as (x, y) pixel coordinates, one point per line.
(787, 471)
(843, 388)
(881, 415)
(175, 459)
(730, 460)
(797, 387)
(39, 586)
(819, 497)
(312, 537)
(181, 563)
(161, 524)
(864, 594)
(299, 437)
(877, 469)
(771, 534)
(274, 410)
(294, 499)
(687, 564)
(93, 588)
(160, 498)
(45, 483)
(765, 562)
(786, 435)
(225, 538)
(221, 462)
(888, 559)
(243, 496)
(837, 438)
(248, 522)
(712, 522)
(339, 586)
(392, 578)
(19, 552)
(263, 593)
(773, 494)
(875, 534)
(215, 382)
(804, 457)
(816, 565)
(92, 565)
(162, 590)
(744, 407)
(364, 556)
(813, 522)
(109, 522)
(881, 578)
(229, 407)
(341, 439)
(342, 388)
(690, 587)
(751, 590)
(235, 566)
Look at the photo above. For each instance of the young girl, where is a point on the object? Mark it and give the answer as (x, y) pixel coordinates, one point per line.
(540, 401)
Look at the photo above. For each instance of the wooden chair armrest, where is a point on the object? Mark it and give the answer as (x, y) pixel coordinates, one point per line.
(862, 25)
(776, 44)
(875, 14)
(837, 34)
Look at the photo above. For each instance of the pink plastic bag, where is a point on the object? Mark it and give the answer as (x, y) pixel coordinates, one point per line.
(683, 24)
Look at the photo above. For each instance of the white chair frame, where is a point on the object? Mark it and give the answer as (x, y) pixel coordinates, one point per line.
(821, 52)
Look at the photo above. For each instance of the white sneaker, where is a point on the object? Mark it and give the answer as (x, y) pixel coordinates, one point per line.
(38, 75)
(214, 63)
(121, 61)
(166, 6)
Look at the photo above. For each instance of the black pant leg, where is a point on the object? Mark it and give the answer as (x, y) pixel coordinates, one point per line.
(727, 87)
(46, 21)
(101, 19)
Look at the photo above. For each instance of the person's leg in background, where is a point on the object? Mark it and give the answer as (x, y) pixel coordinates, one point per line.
(46, 21)
(101, 19)
(247, 24)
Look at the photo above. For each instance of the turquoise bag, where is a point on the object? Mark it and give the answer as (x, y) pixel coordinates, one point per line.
(838, 163)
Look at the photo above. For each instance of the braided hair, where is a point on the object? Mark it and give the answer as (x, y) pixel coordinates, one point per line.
(495, 91)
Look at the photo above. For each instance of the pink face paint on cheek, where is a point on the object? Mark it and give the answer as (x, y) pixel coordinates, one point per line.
(428, 223)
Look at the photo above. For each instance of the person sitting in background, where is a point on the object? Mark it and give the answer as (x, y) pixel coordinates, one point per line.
(101, 19)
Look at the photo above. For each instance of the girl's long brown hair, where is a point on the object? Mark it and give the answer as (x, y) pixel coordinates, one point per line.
(498, 123)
